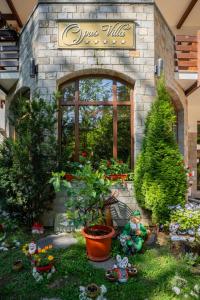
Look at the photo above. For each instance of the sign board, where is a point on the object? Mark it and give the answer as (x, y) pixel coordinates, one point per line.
(96, 34)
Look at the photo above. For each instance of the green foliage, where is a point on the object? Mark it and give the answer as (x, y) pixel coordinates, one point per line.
(160, 177)
(27, 162)
(187, 219)
(85, 195)
(113, 166)
(156, 269)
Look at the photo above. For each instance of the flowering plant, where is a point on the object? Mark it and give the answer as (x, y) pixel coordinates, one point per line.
(113, 166)
(43, 257)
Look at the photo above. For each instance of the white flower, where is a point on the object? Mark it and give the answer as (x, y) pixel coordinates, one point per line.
(176, 290)
(103, 289)
(81, 288)
(197, 288)
(192, 293)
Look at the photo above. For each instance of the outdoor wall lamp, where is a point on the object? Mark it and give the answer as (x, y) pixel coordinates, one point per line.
(159, 67)
(33, 68)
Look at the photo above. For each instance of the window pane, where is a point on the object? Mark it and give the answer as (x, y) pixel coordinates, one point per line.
(68, 132)
(123, 92)
(96, 132)
(69, 92)
(124, 134)
(198, 156)
(95, 89)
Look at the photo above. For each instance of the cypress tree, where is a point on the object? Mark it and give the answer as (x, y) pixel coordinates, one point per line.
(160, 177)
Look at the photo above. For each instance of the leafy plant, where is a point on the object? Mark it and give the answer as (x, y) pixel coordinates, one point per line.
(187, 219)
(160, 177)
(27, 162)
(113, 166)
(85, 195)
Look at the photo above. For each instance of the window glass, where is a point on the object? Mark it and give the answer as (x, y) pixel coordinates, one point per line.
(69, 92)
(198, 156)
(95, 89)
(123, 92)
(124, 134)
(96, 132)
(68, 132)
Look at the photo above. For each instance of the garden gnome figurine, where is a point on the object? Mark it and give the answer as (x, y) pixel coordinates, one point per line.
(133, 235)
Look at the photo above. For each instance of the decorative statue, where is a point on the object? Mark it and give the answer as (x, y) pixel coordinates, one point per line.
(121, 269)
(133, 235)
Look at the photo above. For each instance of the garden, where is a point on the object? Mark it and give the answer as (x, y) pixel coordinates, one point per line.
(134, 261)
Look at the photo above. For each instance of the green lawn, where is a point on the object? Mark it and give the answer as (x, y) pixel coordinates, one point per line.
(156, 269)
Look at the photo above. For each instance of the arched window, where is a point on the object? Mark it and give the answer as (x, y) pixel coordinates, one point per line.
(96, 119)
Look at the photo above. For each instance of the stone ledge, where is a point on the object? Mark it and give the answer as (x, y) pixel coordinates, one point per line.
(96, 1)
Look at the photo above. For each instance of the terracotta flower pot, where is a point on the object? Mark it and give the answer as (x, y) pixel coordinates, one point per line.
(132, 271)
(111, 275)
(17, 265)
(44, 268)
(92, 290)
(117, 177)
(98, 241)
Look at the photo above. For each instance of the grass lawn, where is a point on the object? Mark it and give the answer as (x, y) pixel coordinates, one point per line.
(156, 268)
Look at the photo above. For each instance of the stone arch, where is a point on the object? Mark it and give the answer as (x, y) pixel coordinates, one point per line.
(95, 71)
(22, 91)
(180, 112)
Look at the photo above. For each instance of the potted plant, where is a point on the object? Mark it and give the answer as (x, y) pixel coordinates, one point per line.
(114, 169)
(43, 260)
(86, 197)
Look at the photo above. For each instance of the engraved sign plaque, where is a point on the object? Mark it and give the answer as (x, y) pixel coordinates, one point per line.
(96, 34)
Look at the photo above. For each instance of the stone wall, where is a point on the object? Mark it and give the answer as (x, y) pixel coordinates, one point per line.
(164, 48)
(39, 40)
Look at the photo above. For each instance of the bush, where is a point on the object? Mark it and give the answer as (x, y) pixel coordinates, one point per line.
(160, 176)
(26, 164)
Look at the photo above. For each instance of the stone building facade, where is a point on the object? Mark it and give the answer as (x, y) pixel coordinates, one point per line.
(154, 40)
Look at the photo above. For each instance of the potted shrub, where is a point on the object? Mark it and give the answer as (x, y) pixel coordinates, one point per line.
(86, 197)
(114, 169)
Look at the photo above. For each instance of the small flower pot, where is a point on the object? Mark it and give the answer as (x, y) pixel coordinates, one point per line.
(115, 177)
(92, 290)
(111, 275)
(17, 265)
(132, 271)
(46, 268)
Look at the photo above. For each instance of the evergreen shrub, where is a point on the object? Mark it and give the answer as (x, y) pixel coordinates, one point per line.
(160, 177)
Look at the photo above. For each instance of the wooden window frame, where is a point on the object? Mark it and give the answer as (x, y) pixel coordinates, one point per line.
(77, 103)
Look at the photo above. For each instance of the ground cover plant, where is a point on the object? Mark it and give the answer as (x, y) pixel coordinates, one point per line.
(156, 271)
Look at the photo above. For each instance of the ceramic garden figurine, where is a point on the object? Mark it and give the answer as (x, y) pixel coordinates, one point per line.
(133, 235)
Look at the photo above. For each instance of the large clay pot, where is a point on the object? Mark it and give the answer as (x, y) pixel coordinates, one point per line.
(98, 241)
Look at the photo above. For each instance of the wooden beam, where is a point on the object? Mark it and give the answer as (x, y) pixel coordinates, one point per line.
(10, 17)
(12, 8)
(191, 89)
(186, 13)
(198, 56)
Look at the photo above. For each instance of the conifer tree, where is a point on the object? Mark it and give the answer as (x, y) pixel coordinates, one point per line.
(160, 178)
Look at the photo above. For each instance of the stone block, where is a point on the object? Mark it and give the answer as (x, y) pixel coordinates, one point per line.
(44, 39)
(52, 16)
